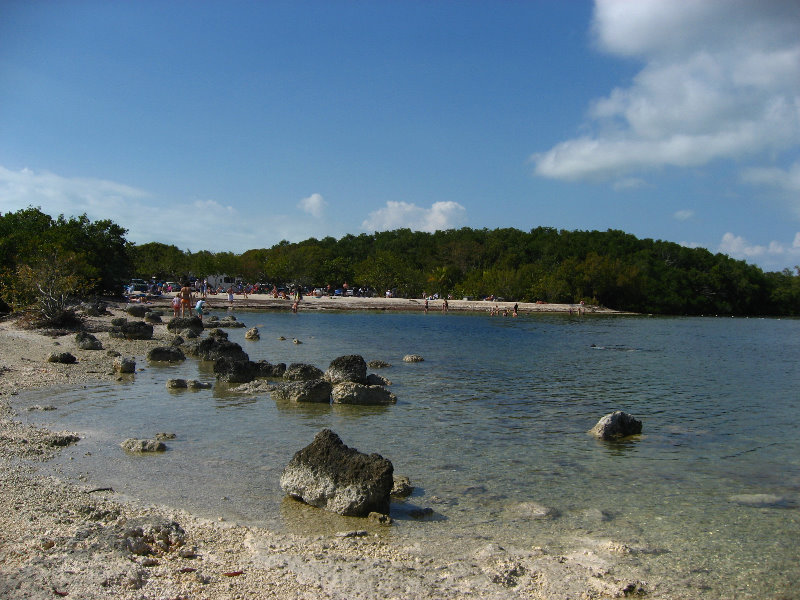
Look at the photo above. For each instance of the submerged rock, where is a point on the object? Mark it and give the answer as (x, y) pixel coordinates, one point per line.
(329, 475)
(616, 425)
(137, 446)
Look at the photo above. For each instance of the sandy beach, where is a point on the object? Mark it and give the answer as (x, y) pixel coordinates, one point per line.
(62, 538)
(267, 302)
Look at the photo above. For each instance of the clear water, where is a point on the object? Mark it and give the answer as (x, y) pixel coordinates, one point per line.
(494, 417)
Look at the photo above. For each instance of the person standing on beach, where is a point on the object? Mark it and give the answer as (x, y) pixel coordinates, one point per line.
(186, 298)
(230, 295)
(426, 306)
(176, 306)
(444, 306)
(199, 308)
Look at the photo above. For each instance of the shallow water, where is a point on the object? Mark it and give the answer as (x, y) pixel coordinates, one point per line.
(496, 416)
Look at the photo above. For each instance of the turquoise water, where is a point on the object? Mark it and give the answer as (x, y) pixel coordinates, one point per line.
(496, 416)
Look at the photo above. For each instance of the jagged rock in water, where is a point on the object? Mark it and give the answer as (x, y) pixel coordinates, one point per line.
(137, 446)
(234, 371)
(267, 369)
(330, 475)
(412, 358)
(302, 372)
(166, 354)
(356, 393)
(124, 365)
(252, 334)
(351, 367)
(373, 379)
(616, 425)
(314, 390)
(177, 324)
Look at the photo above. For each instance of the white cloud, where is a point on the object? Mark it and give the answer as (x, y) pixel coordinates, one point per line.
(787, 180)
(314, 205)
(738, 247)
(719, 81)
(396, 215)
(683, 215)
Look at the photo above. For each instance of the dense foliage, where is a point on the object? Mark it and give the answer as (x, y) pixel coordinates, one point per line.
(46, 262)
(611, 268)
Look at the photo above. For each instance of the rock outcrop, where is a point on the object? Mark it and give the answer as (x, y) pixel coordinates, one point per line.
(616, 425)
(351, 367)
(177, 324)
(302, 372)
(330, 475)
(356, 393)
(86, 341)
(132, 330)
(314, 390)
(166, 354)
(137, 446)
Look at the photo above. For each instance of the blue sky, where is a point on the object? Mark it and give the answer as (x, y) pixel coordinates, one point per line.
(234, 125)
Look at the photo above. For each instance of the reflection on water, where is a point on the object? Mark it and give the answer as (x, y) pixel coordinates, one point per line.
(491, 427)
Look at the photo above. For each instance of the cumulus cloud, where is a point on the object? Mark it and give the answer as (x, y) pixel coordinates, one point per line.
(195, 224)
(719, 81)
(784, 179)
(314, 205)
(395, 215)
(738, 247)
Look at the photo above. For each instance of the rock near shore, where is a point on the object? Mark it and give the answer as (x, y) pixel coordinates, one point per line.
(330, 475)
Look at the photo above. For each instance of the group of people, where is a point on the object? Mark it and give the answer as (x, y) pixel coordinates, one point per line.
(495, 311)
(182, 303)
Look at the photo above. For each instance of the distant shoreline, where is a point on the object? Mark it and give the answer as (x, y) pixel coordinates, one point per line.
(267, 302)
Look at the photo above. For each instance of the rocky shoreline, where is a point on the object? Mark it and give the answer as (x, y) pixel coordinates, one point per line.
(65, 539)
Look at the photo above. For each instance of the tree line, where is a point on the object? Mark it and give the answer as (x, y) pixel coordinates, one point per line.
(610, 268)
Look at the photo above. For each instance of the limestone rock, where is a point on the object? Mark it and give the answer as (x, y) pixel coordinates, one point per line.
(137, 310)
(65, 358)
(137, 446)
(124, 365)
(302, 372)
(373, 379)
(314, 390)
(252, 334)
(177, 324)
(86, 341)
(166, 354)
(351, 367)
(330, 475)
(378, 364)
(412, 358)
(356, 393)
(132, 330)
(234, 371)
(616, 425)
